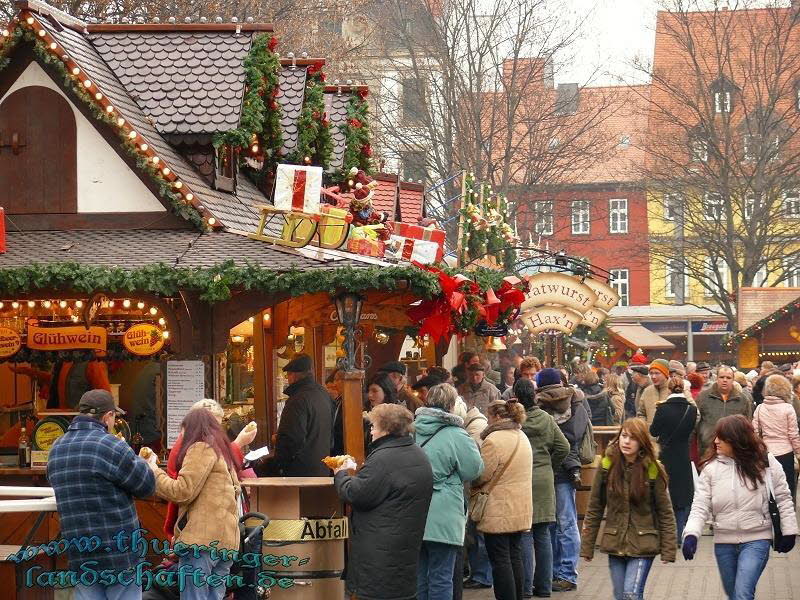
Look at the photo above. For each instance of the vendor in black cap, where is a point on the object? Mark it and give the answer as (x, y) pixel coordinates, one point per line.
(396, 371)
(423, 385)
(304, 433)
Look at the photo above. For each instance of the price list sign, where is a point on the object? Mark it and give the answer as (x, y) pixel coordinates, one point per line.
(185, 386)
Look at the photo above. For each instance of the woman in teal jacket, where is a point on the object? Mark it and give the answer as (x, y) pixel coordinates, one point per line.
(455, 459)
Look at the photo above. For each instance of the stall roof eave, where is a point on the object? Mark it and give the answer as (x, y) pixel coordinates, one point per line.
(638, 336)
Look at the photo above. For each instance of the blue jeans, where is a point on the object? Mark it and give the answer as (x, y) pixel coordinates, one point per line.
(435, 571)
(205, 565)
(537, 560)
(112, 592)
(628, 576)
(681, 516)
(740, 566)
(480, 569)
(564, 535)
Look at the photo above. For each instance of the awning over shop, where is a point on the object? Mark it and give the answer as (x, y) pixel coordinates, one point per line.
(636, 336)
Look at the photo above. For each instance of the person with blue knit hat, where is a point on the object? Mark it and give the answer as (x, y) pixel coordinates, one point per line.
(561, 401)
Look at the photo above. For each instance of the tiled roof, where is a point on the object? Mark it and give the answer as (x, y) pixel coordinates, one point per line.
(411, 197)
(336, 104)
(292, 86)
(140, 247)
(184, 81)
(385, 198)
(237, 211)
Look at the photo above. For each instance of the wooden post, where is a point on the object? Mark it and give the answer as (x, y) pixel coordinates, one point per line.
(352, 420)
(262, 376)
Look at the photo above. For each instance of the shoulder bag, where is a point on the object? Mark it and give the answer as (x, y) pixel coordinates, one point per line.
(774, 513)
(478, 500)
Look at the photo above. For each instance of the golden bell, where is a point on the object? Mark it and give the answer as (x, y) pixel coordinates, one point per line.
(496, 345)
(381, 337)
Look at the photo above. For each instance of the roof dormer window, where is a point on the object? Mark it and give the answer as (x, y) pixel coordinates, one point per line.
(226, 168)
(722, 93)
(722, 102)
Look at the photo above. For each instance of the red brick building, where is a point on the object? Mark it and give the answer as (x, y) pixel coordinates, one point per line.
(599, 213)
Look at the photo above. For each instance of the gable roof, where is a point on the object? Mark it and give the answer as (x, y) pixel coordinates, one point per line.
(173, 74)
(753, 304)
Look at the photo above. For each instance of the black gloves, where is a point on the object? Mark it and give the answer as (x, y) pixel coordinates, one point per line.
(785, 544)
(690, 546)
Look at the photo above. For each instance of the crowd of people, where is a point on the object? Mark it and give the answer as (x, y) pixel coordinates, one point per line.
(470, 475)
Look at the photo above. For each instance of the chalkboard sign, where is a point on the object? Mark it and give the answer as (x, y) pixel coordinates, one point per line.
(484, 330)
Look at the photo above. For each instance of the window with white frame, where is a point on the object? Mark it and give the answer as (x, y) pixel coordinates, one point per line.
(760, 280)
(672, 207)
(749, 206)
(580, 216)
(677, 281)
(791, 271)
(544, 217)
(699, 150)
(722, 102)
(716, 272)
(712, 207)
(620, 281)
(791, 205)
(618, 215)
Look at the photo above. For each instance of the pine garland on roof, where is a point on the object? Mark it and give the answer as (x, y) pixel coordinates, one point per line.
(314, 140)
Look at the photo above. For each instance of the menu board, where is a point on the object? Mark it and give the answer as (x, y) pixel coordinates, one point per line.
(185, 386)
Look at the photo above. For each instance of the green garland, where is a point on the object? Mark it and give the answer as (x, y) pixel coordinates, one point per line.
(260, 121)
(314, 138)
(736, 338)
(214, 284)
(357, 148)
(114, 352)
(179, 207)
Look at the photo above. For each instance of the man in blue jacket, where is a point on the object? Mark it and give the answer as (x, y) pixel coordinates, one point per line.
(96, 477)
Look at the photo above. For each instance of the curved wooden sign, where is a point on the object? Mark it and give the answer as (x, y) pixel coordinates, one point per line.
(593, 317)
(558, 289)
(607, 297)
(551, 318)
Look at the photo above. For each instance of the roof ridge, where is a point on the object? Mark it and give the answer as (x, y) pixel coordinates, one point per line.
(42, 8)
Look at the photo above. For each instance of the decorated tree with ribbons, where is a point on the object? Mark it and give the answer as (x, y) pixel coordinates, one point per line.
(485, 230)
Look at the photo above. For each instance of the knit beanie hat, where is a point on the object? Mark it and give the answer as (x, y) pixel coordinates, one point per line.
(660, 364)
(677, 366)
(548, 377)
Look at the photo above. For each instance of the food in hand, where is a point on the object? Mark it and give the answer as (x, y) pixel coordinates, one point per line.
(145, 452)
(250, 427)
(334, 462)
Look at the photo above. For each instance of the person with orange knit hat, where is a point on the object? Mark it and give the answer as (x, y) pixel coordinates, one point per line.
(655, 393)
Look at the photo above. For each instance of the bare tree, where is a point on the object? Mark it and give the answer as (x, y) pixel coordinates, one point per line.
(722, 148)
(461, 88)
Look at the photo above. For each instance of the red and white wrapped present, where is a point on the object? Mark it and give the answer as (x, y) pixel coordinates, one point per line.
(408, 249)
(366, 247)
(417, 232)
(297, 188)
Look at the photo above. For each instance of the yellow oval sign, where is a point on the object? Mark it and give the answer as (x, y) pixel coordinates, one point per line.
(10, 342)
(143, 339)
(46, 434)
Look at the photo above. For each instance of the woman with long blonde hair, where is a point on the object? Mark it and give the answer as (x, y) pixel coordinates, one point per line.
(616, 396)
(630, 487)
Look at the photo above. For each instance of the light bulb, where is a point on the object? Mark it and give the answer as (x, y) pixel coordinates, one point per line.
(144, 147)
(254, 149)
(15, 304)
(189, 197)
(98, 96)
(29, 20)
(5, 33)
(53, 45)
(111, 304)
(47, 304)
(78, 303)
(31, 303)
(140, 305)
(252, 319)
(165, 171)
(63, 304)
(1, 305)
(109, 109)
(162, 322)
(74, 318)
(153, 310)
(266, 317)
(120, 122)
(75, 70)
(132, 135)
(87, 83)
(165, 334)
(212, 221)
(41, 33)
(178, 185)
(126, 303)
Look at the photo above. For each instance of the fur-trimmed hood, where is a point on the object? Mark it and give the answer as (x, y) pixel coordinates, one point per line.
(436, 417)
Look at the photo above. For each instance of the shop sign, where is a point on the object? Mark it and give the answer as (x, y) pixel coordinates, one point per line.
(364, 316)
(10, 342)
(710, 327)
(143, 339)
(497, 330)
(593, 317)
(558, 289)
(305, 530)
(66, 338)
(607, 297)
(551, 318)
(674, 327)
(39, 458)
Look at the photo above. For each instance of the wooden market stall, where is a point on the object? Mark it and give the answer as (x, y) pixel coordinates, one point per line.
(768, 326)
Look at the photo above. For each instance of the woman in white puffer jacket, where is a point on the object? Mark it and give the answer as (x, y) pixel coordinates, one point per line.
(733, 491)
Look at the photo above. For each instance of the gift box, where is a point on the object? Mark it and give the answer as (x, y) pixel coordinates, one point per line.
(297, 188)
(417, 232)
(410, 249)
(366, 247)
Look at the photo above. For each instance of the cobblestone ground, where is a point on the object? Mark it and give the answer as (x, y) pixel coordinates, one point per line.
(698, 579)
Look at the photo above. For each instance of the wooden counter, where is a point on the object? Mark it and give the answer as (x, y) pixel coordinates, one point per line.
(288, 502)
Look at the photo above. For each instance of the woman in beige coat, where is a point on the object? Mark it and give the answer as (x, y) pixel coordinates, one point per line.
(207, 493)
(506, 479)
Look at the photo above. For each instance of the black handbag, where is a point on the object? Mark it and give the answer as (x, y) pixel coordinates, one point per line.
(774, 513)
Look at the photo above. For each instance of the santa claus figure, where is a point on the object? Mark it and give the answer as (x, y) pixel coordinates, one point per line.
(363, 189)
